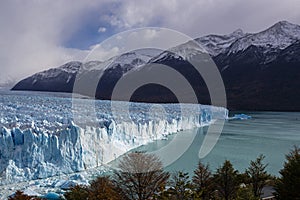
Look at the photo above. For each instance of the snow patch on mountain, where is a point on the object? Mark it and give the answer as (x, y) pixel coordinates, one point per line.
(185, 51)
(70, 68)
(278, 36)
(216, 44)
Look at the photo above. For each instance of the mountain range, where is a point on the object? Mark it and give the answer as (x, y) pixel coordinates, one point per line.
(261, 71)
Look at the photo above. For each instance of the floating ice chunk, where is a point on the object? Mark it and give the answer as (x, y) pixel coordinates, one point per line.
(240, 117)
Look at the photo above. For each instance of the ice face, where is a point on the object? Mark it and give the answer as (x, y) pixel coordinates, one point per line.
(39, 138)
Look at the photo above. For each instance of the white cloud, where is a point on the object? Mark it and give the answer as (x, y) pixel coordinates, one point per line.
(102, 53)
(32, 34)
(199, 17)
(141, 38)
(101, 29)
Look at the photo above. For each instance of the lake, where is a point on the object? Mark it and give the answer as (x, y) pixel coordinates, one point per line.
(270, 133)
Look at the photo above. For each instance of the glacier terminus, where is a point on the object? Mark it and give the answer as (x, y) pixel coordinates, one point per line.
(39, 139)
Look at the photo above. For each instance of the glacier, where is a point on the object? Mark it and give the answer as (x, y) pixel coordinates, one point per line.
(39, 138)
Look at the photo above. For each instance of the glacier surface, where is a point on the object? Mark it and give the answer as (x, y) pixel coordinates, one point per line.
(39, 139)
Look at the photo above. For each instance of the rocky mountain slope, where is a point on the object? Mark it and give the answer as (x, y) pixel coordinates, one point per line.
(261, 71)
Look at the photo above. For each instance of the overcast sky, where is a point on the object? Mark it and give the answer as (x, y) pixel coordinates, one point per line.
(39, 34)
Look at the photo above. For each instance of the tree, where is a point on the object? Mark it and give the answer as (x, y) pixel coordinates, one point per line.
(141, 176)
(103, 188)
(202, 181)
(258, 175)
(180, 186)
(288, 185)
(77, 193)
(245, 193)
(226, 181)
(19, 195)
(100, 188)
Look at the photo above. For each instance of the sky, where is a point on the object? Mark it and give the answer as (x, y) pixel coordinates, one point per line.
(40, 34)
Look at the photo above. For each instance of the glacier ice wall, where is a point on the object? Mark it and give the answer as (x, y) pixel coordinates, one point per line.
(39, 139)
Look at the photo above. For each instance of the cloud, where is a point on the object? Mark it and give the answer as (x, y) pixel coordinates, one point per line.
(199, 17)
(102, 53)
(101, 30)
(32, 34)
(141, 38)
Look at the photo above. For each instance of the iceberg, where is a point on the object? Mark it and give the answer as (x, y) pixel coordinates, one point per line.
(39, 137)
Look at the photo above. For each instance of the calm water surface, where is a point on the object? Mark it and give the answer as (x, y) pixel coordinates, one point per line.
(270, 133)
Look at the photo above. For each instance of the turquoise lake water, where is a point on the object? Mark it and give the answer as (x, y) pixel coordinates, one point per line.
(272, 134)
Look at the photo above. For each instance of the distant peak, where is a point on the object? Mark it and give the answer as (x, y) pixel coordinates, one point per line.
(238, 32)
(71, 63)
(285, 24)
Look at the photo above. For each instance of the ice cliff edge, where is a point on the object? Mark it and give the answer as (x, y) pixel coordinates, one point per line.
(29, 152)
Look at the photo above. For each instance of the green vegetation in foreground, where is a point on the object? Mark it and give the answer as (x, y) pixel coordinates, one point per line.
(141, 176)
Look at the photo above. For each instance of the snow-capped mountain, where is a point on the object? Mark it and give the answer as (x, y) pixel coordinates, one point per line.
(251, 65)
(211, 44)
(278, 36)
(61, 79)
(216, 44)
